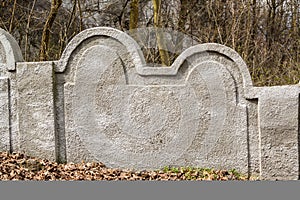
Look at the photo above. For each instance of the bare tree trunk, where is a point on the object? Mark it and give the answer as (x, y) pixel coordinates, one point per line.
(44, 48)
(134, 14)
(270, 37)
(295, 30)
(64, 34)
(253, 32)
(164, 56)
(246, 44)
(12, 16)
(80, 14)
(183, 16)
(27, 29)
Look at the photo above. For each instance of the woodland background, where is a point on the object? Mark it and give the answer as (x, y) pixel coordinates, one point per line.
(266, 33)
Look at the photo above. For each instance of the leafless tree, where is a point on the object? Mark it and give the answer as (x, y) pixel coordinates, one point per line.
(265, 33)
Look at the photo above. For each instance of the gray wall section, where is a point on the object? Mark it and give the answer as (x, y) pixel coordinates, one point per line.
(102, 102)
(4, 113)
(36, 109)
(279, 131)
(10, 54)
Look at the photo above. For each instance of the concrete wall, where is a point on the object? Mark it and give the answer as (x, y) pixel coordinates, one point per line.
(102, 102)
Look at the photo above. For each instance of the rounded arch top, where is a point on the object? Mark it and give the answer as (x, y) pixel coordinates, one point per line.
(222, 50)
(138, 58)
(10, 52)
(131, 45)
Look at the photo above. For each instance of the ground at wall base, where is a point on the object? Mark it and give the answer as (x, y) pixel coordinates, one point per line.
(17, 166)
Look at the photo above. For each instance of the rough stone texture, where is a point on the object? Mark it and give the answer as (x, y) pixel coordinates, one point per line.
(36, 109)
(13, 113)
(134, 116)
(10, 54)
(4, 113)
(164, 133)
(253, 138)
(102, 102)
(279, 130)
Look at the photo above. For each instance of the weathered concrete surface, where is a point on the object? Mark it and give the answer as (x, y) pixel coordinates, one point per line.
(4, 113)
(155, 132)
(10, 54)
(279, 131)
(102, 102)
(145, 118)
(36, 109)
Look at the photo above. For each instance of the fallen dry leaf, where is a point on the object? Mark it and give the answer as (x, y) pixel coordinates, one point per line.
(17, 166)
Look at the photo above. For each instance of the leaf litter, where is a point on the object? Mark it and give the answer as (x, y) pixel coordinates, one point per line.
(18, 166)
